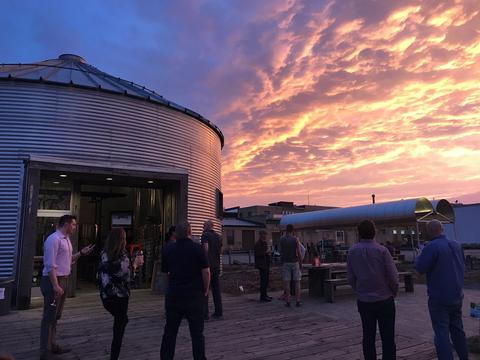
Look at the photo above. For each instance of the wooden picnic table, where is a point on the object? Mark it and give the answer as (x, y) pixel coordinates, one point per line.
(318, 274)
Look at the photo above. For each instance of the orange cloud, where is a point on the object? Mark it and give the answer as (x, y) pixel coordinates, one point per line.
(346, 105)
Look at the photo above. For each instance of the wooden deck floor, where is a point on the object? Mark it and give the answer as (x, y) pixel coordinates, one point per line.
(249, 330)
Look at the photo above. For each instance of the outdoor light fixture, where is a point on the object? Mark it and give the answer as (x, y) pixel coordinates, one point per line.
(109, 179)
(150, 181)
(63, 175)
(56, 182)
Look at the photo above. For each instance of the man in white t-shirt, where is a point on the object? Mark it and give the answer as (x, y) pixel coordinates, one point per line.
(57, 265)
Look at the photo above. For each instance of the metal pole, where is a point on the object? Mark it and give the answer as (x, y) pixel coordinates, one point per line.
(418, 241)
(418, 234)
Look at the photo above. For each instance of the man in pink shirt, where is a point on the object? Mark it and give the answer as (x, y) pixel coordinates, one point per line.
(374, 277)
(57, 264)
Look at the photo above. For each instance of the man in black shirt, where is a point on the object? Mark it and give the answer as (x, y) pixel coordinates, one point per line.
(212, 243)
(262, 263)
(188, 280)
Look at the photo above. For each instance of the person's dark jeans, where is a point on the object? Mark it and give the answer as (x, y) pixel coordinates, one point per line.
(118, 307)
(216, 294)
(382, 312)
(447, 323)
(52, 311)
(177, 308)
(264, 277)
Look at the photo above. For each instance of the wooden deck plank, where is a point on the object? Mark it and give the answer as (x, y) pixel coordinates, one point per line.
(249, 330)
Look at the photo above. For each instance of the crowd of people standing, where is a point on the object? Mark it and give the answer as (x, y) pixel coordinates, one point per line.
(193, 270)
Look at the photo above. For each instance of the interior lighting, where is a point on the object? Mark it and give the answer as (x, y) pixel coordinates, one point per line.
(109, 179)
(63, 175)
(56, 182)
(150, 181)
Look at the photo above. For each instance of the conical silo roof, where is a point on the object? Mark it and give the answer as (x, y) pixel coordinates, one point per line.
(73, 70)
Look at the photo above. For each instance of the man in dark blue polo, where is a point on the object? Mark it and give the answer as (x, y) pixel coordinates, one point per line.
(442, 260)
(187, 268)
(212, 243)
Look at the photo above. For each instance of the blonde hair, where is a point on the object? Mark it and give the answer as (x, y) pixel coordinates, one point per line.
(115, 243)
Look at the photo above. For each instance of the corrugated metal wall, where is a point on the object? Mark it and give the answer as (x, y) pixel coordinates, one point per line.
(67, 122)
(11, 183)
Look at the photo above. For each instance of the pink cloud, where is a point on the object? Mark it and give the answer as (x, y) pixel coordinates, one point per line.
(349, 111)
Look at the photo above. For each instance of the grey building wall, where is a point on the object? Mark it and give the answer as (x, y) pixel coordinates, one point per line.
(88, 125)
(466, 229)
(11, 185)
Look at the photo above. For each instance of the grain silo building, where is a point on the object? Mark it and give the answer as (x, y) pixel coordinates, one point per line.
(76, 140)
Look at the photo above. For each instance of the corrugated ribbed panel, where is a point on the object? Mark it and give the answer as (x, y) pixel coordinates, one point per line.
(403, 210)
(81, 124)
(11, 180)
(72, 71)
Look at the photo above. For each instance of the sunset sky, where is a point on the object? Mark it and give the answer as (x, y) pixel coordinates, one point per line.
(319, 101)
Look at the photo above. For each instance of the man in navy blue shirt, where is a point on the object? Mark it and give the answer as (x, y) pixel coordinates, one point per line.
(212, 243)
(188, 271)
(443, 262)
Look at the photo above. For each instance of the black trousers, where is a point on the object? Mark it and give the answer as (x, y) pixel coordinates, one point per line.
(382, 312)
(178, 308)
(216, 294)
(118, 307)
(264, 278)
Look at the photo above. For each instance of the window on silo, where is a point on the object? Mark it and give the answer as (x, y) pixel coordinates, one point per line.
(219, 203)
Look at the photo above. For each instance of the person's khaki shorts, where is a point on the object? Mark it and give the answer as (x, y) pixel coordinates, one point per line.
(291, 271)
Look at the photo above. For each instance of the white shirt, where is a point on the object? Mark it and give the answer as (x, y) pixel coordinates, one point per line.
(57, 254)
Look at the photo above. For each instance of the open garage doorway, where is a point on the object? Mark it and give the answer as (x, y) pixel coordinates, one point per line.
(143, 203)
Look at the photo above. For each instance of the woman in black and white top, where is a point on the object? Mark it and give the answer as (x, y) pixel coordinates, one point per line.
(114, 273)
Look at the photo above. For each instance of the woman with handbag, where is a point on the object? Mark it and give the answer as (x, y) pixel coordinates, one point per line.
(114, 274)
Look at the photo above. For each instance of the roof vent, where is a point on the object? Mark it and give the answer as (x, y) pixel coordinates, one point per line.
(72, 57)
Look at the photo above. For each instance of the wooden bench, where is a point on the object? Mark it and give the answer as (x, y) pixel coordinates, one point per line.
(407, 279)
(330, 285)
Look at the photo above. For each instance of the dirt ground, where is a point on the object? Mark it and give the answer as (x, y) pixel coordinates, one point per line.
(238, 279)
(244, 279)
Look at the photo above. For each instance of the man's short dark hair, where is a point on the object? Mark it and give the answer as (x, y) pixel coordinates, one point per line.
(182, 230)
(66, 219)
(366, 229)
(289, 228)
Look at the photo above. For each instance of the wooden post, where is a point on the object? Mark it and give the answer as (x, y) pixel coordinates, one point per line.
(75, 210)
(23, 281)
